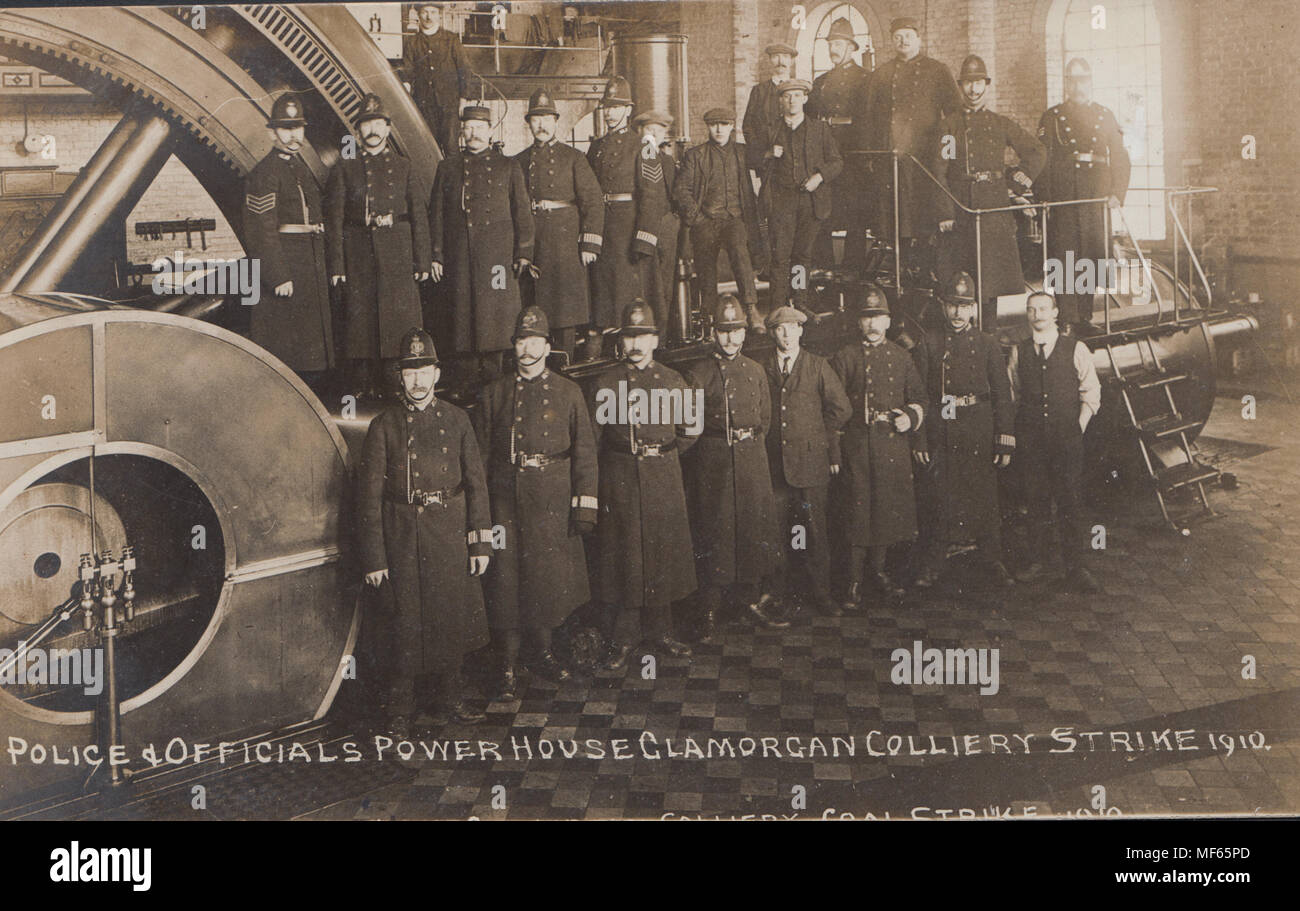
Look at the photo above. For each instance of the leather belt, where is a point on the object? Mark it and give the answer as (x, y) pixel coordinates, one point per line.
(524, 461)
(735, 434)
(379, 221)
(429, 497)
(646, 450)
(1094, 157)
(619, 197)
(881, 417)
(965, 401)
(550, 205)
(302, 229)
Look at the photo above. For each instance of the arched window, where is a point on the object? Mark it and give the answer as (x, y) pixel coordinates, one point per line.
(811, 43)
(1121, 41)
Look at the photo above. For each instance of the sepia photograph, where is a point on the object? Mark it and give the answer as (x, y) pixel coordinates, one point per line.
(847, 410)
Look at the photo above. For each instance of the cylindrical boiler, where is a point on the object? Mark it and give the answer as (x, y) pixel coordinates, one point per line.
(655, 67)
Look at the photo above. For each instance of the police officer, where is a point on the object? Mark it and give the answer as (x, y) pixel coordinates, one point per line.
(568, 221)
(423, 527)
(969, 162)
(377, 234)
(908, 98)
(762, 116)
(809, 407)
(886, 395)
(436, 71)
(644, 535)
(716, 199)
(284, 228)
(805, 160)
(541, 471)
(1086, 159)
(970, 432)
(1057, 393)
(481, 224)
(733, 514)
(839, 97)
(660, 270)
(631, 178)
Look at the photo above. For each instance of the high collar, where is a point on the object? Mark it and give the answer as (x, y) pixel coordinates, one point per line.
(721, 355)
(374, 154)
(868, 345)
(544, 375)
(436, 30)
(410, 406)
(796, 124)
(544, 145)
(648, 364)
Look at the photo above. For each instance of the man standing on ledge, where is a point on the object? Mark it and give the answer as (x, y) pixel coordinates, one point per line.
(1057, 393)
(645, 560)
(541, 467)
(424, 528)
(732, 511)
(436, 71)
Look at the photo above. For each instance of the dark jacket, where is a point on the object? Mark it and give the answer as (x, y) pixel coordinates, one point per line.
(809, 149)
(1067, 130)
(700, 170)
(808, 409)
(762, 116)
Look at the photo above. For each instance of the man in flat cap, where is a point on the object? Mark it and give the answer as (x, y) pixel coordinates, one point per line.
(377, 244)
(645, 561)
(1086, 159)
(659, 272)
(716, 199)
(568, 220)
(631, 177)
(805, 160)
(970, 433)
(284, 228)
(481, 224)
(733, 515)
(969, 161)
(809, 406)
(437, 73)
(887, 395)
(762, 116)
(424, 529)
(909, 96)
(535, 429)
(839, 97)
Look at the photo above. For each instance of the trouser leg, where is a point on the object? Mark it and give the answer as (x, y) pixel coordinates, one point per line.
(705, 240)
(627, 625)
(736, 243)
(656, 621)
(801, 253)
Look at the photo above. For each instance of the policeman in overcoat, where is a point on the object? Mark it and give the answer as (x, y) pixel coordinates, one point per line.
(969, 436)
(424, 529)
(568, 223)
(733, 513)
(645, 560)
(809, 407)
(969, 161)
(887, 398)
(481, 226)
(535, 429)
(377, 242)
(284, 228)
(436, 71)
(1086, 159)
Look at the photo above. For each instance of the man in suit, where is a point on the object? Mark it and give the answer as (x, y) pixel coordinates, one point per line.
(809, 406)
(716, 199)
(804, 160)
(762, 115)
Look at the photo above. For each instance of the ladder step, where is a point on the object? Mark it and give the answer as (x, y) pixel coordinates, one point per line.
(1147, 379)
(1165, 425)
(1184, 475)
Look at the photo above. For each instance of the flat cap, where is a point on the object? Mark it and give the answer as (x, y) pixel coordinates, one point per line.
(476, 112)
(903, 22)
(790, 85)
(780, 48)
(719, 115)
(785, 314)
(652, 117)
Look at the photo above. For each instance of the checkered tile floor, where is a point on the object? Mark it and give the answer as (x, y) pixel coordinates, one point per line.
(1161, 650)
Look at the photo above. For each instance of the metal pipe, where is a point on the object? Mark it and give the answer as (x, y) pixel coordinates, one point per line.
(979, 277)
(1105, 297)
(898, 255)
(108, 187)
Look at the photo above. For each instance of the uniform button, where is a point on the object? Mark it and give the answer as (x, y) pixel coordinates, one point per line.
(444, 449)
(518, 419)
(440, 430)
(419, 509)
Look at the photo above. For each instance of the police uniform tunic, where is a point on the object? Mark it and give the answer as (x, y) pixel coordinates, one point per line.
(569, 220)
(877, 473)
(906, 102)
(839, 97)
(541, 574)
(730, 487)
(643, 531)
(632, 171)
(426, 548)
(377, 235)
(284, 225)
(438, 70)
(1086, 159)
(971, 417)
(481, 223)
(975, 175)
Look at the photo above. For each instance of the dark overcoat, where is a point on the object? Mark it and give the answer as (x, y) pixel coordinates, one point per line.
(961, 485)
(426, 549)
(297, 329)
(808, 409)
(733, 512)
(971, 167)
(480, 223)
(379, 262)
(560, 173)
(543, 568)
(644, 534)
(877, 472)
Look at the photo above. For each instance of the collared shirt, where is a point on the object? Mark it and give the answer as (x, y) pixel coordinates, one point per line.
(786, 362)
(1045, 344)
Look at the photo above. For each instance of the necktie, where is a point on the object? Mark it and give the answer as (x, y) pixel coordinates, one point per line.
(1042, 351)
(785, 366)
